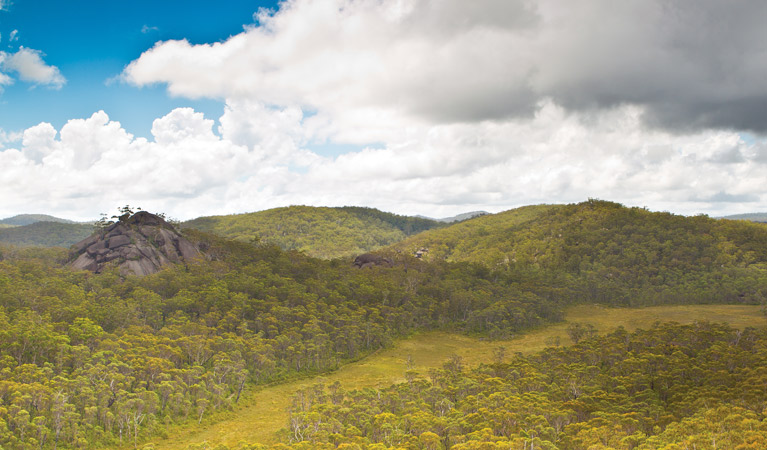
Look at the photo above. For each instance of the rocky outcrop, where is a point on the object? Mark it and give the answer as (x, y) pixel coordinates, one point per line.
(139, 245)
(371, 260)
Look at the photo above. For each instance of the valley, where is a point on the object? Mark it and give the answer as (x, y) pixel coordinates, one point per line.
(264, 411)
(383, 225)
(222, 341)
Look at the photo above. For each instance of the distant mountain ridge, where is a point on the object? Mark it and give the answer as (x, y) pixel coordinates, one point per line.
(457, 218)
(28, 219)
(753, 217)
(45, 234)
(322, 232)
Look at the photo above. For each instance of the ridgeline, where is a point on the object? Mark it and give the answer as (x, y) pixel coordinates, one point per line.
(317, 231)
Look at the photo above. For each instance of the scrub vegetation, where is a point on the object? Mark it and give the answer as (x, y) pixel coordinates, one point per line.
(317, 231)
(263, 415)
(102, 360)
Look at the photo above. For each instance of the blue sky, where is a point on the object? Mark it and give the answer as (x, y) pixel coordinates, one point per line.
(92, 41)
(417, 107)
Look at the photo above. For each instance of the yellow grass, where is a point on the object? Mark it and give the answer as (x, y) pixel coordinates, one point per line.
(262, 412)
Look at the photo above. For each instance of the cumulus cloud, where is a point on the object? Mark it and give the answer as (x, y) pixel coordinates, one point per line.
(689, 65)
(470, 105)
(39, 141)
(97, 160)
(257, 158)
(29, 65)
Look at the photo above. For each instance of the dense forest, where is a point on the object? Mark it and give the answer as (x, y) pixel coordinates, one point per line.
(45, 234)
(316, 231)
(99, 360)
(615, 254)
(698, 386)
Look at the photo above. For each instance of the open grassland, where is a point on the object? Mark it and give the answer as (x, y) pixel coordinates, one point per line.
(263, 412)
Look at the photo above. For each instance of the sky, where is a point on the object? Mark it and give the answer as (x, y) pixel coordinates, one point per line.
(431, 107)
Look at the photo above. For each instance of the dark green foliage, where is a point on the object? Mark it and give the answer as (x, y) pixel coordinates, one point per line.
(612, 254)
(407, 224)
(319, 232)
(46, 234)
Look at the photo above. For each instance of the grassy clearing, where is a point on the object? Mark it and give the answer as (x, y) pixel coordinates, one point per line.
(262, 412)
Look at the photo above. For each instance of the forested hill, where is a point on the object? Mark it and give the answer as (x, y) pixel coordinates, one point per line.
(317, 231)
(27, 219)
(101, 360)
(622, 252)
(474, 239)
(46, 234)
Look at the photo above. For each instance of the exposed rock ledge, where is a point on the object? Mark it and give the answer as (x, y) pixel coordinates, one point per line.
(369, 260)
(139, 245)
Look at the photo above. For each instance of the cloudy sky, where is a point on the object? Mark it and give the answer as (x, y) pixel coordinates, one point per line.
(430, 107)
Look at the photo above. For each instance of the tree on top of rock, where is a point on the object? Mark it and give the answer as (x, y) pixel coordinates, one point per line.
(125, 212)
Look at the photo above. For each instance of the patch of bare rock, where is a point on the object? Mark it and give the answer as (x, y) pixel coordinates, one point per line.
(369, 260)
(139, 245)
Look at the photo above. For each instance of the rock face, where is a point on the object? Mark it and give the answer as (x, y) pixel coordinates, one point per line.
(370, 260)
(139, 245)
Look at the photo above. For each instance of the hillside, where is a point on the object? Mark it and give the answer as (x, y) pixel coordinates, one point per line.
(28, 219)
(611, 252)
(45, 234)
(459, 242)
(317, 231)
(129, 359)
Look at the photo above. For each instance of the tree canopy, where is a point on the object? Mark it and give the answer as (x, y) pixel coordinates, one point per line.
(107, 360)
(317, 231)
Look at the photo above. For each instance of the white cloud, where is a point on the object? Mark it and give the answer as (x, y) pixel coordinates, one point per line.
(39, 141)
(689, 65)
(14, 36)
(258, 160)
(29, 65)
(470, 105)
